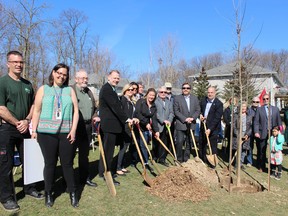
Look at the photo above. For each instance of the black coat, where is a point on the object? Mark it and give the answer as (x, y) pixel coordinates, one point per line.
(144, 114)
(213, 121)
(113, 117)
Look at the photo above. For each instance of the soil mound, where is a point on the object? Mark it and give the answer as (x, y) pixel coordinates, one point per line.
(179, 184)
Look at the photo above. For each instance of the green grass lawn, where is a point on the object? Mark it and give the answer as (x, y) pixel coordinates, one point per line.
(133, 199)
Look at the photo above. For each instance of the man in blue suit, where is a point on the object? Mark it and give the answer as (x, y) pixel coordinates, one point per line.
(261, 127)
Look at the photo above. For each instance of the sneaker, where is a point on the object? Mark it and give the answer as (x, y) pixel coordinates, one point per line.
(249, 165)
(278, 176)
(243, 167)
(10, 206)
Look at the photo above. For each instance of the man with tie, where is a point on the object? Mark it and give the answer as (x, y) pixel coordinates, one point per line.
(261, 127)
(113, 119)
(186, 109)
(211, 113)
(165, 117)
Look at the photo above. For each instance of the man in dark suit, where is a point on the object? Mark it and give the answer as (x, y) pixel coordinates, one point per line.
(211, 113)
(261, 127)
(186, 110)
(113, 119)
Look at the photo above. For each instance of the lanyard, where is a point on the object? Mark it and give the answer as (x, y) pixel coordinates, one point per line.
(58, 97)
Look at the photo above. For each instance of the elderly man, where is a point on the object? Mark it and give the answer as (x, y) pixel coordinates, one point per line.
(113, 119)
(251, 112)
(87, 117)
(211, 114)
(16, 100)
(186, 110)
(165, 117)
(261, 128)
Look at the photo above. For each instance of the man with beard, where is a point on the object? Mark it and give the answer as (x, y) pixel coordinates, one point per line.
(87, 117)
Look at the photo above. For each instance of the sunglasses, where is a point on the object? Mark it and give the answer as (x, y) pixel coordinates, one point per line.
(256, 102)
(161, 92)
(186, 88)
(265, 98)
(130, 90)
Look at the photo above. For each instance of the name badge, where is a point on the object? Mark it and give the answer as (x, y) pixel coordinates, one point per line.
(58, 114)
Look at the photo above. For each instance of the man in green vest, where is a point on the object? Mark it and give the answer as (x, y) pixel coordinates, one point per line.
(16, 106)
(87, 118)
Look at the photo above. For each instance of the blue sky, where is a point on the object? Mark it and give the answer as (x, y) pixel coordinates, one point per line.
(131, 28)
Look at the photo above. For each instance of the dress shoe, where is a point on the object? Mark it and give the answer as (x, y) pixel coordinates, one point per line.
(49, 201)
(116, 183)
(149, 168)
(90, 183)
(164, 163)
(35, 194)
(74, 200)
(10, 206)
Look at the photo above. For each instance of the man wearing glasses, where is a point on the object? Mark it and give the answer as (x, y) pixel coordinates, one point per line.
(187, 110)
(16, 106)
(251, 112)
(261, 127)
(165, 117)
(87, 118)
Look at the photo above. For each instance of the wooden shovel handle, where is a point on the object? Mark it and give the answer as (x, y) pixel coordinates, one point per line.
(207, 137)
(172, 142)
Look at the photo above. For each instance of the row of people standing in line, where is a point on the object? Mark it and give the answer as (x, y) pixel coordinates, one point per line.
(255, 127)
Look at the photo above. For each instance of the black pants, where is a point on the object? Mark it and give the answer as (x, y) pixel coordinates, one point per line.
(10, 137)
(160, 153)
(83, 139)
(109, 142)
(181, 137)
(203, 144)
(52, 146)
(261, 152)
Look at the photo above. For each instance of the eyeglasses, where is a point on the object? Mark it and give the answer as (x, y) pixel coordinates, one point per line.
(135, 88)
(265, 98)
(83, 78)
(16, 62)
(161, 92)
(60, 74)
(256, 102)
(186, 88)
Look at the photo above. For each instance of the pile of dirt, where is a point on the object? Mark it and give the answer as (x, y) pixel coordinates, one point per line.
(179, 184)
(203, 173)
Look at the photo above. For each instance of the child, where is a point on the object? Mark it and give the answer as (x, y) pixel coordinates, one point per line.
(276, 147)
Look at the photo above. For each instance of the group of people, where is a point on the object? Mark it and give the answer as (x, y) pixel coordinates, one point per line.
(63, 117)
(258, 122)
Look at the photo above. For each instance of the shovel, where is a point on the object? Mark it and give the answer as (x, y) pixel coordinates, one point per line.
(147, 179)
(172, 142)
(165, 147)
(146, 145)
(213, 160)
(197, 159)
(107, 174)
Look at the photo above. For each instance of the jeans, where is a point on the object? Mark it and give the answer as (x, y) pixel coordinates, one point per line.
(143, 148)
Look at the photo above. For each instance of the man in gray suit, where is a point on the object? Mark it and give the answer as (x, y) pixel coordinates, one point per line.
(261, 128)
(165, 117)
(187, 110)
